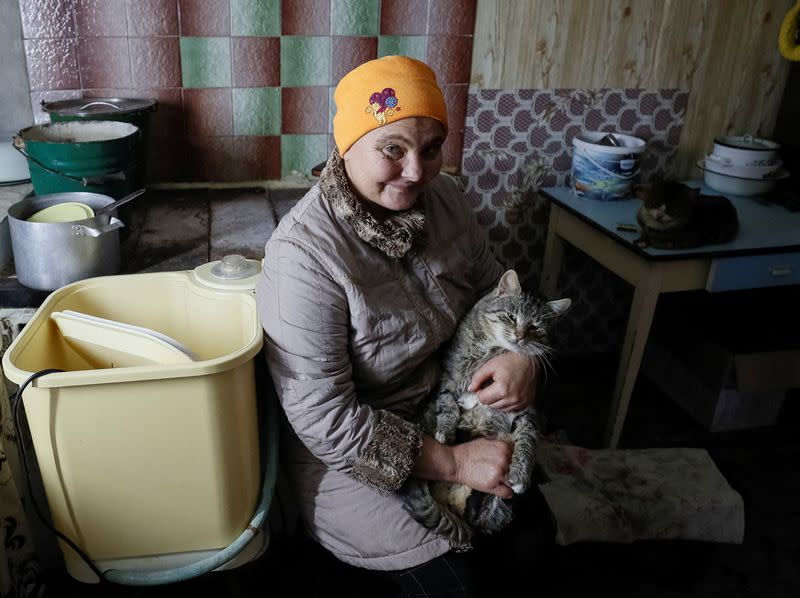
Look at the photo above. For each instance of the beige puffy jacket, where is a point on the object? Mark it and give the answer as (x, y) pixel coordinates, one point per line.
(354, 312)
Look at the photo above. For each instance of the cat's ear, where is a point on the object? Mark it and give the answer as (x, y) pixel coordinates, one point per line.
(559, 306)
(509, 284)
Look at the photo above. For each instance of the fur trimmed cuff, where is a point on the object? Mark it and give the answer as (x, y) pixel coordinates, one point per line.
(390, 454)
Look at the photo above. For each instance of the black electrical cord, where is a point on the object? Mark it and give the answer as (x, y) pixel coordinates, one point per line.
(17, 400)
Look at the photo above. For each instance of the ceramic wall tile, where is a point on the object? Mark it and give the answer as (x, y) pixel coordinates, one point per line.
(255, 17)
(306, 17)
(404, 17)
(104, 62)
(209, 112)
(450, 57)
(305, 61)
(206, 61)
(204, 17)
(348, 52)
(312, 115)
(152, 17)
(95, 18)
(257, 158)
(414, 46)
(355, 17)
(47, 18)
(455, 17)
(199, 58)
(211, 158)
(52, 64)
(300, 153)
(257, 111)
(155, 62)
(256, 61)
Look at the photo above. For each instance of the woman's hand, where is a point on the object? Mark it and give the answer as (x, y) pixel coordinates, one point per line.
(482, 464)
(506, 382)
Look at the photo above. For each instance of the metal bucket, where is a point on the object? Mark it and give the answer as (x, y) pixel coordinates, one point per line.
(91, 156)
(49, 255)
(136, 111)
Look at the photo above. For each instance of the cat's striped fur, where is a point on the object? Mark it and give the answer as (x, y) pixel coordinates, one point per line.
(506, 319)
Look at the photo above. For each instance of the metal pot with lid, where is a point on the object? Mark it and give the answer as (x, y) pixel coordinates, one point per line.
(99, 109)
(51, 253)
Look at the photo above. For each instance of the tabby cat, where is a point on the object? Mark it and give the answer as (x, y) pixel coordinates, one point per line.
(506, 319)
(676, 216)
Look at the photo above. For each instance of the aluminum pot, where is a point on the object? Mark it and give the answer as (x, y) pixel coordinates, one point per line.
(49, 255)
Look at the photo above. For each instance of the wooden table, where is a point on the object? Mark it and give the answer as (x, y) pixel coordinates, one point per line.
(765, 253)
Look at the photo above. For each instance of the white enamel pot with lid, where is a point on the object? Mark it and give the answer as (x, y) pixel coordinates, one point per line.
(745, 151)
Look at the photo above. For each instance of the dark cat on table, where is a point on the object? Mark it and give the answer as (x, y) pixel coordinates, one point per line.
(676, 216)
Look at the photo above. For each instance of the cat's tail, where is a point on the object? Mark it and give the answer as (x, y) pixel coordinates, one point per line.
(426, 510)
(487, 512)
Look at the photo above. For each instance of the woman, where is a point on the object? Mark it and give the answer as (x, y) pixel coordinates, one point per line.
(363, 282)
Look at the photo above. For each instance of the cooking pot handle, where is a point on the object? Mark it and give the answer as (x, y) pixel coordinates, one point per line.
(81, 230)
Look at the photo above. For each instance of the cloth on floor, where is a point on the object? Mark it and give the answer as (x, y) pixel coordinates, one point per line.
(610, 495)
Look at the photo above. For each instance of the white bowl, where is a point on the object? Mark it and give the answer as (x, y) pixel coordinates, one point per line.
(733, 185)
(746, 150)
(727, 166)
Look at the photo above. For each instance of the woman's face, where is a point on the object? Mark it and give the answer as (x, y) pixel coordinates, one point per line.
(390, 166)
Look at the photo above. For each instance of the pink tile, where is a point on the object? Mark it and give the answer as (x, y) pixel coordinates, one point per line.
(256, 61)
(167, 159)
(404, 17)
(167, 119)
(152, 17)
(52, 64)
(104, 62)
(456, 17)
(106, 92)
(210, 159)
(349, 52)
(452, 150)
(47, 18)
(257, 158)
(305, 17)
(304, 110)
(100, 18)
(155, 62)
(455, 98)
(204, 17)
(450, 57)
(208, 111)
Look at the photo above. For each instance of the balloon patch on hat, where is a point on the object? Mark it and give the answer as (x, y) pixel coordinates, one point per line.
(383, 104)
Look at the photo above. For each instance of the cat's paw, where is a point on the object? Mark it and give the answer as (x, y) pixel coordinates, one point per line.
(518, 484)
(445, 436)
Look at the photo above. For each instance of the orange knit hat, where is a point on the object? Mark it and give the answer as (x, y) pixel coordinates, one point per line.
(382, 91)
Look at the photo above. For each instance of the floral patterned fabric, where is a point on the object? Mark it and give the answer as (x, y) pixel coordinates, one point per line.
(645, 494)
(20, 566)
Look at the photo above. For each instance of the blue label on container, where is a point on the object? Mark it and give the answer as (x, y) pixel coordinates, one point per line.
(604, 177)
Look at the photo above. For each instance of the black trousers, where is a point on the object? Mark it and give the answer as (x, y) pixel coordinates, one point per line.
(495, 563)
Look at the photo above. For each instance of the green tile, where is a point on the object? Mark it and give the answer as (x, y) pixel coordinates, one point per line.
(206, 61)
(331, 108)
(355, 17)
(406, 45)
(305, 61)
(255, 17)
(302, 153)
(257, 111)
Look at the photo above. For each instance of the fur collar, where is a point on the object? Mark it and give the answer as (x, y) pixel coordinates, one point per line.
(394, 236)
